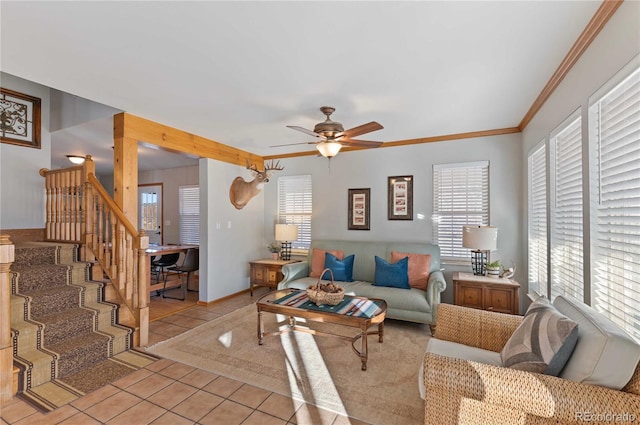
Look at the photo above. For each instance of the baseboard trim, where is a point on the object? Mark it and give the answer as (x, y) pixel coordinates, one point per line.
(219, 300)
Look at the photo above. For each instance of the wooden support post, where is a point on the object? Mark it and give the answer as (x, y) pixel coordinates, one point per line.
(125, 177)
(143, 290)
(7, 256)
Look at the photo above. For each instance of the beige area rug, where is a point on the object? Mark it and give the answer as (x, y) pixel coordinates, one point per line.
(320, 370)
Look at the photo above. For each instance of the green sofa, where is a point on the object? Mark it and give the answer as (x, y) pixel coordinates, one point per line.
(412, 305)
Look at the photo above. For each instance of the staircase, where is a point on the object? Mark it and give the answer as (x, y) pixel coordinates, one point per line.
(66, 340)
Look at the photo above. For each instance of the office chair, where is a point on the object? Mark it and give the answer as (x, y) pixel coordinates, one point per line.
(190, 264)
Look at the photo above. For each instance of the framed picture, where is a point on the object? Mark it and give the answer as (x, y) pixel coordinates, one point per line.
(400, 198)
(19, 119)
(359, 209)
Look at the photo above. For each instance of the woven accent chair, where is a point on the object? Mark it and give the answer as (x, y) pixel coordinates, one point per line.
(466, 392)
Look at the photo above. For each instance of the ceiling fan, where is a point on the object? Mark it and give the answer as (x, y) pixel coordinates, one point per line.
(333, 136)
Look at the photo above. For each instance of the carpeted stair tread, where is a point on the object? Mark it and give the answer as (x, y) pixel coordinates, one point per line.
(35, 255)
(66, 324)
(33, 278)
(52, 300)
(99, 375)
(80, 352)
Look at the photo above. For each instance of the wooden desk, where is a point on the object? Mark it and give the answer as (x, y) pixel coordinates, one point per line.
(159, 250)
(486, 293)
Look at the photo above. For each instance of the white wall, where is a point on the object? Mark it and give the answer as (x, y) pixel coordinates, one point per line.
(615, 46)
(68, 110)
(229, 238)
(22, 196)
(370, 169)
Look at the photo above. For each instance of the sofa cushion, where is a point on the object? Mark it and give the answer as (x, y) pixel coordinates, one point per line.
(458, 351)
(342, 269)
(393, 275)
(419, 265)
(543, 342)
(604, 355)
(317, 260)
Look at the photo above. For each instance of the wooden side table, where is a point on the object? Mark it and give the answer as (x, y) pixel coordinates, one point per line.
(486, 293)
(266, 272)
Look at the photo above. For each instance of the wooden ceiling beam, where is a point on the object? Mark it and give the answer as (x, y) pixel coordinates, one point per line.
(171, 139)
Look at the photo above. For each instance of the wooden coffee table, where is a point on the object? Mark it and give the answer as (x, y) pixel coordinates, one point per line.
(355, 312)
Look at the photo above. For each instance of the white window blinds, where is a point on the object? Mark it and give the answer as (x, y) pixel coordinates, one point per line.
(566, 212)
(615, 125)
(538, 221)
(295, 206)
(460, 198)
(189, 198)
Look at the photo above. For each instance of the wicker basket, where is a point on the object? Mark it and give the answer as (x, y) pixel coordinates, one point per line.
(320, 297)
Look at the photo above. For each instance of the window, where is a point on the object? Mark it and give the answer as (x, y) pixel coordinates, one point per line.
(460, 198)
(538, 221)
(189, 214)
(615, 203)
(294, 207)
(566, 211)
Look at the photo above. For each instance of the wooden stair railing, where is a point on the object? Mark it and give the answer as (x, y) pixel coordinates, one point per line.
(79, 210)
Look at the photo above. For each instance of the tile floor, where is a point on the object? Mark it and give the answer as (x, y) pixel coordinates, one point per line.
(171, 393)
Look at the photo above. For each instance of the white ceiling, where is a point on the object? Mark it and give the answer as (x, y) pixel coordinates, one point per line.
(238, 72)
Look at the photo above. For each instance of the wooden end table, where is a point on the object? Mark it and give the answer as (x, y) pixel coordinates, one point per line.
(363, 323)
(266, 272)
(486, 293)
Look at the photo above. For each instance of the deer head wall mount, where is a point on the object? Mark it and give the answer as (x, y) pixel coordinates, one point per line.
(242, 191)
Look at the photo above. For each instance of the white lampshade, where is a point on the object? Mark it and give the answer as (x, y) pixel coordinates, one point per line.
(483, 238)
(329, 149)
(286, 232)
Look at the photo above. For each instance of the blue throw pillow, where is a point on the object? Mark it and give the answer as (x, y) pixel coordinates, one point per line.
(394, 275)
(342, 270)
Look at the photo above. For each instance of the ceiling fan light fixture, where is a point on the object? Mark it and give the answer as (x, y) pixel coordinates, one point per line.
(329, 149)
(76, 159)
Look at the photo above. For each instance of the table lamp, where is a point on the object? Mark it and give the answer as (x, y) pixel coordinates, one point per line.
(286, 233)
(481, 240)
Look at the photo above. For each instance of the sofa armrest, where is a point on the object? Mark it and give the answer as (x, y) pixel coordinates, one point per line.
(436, 285)
(450, 384)
(293, 271)
(476, 328)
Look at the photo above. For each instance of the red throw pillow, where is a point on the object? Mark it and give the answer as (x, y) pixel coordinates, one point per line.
(317, 260)
(419, 265)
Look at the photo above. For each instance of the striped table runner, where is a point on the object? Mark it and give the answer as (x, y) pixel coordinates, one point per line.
(350, 306)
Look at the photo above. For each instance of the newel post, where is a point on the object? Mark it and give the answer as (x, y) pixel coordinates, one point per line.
(143, 289)
(88, 167)
(7, 256)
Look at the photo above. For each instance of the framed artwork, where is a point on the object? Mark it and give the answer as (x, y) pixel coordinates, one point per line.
(359, 209)
(400, 198)
(19, 119)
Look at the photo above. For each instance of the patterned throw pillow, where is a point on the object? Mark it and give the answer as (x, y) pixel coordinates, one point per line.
(317, 260)
(543, 342)
(342, 269)
(392, 275)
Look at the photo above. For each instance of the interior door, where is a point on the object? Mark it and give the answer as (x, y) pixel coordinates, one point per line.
(150, 205)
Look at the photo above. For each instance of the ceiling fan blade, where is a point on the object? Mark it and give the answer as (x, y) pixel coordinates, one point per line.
(292, 144)
(362, 129)
(304, 130)
(360, 143)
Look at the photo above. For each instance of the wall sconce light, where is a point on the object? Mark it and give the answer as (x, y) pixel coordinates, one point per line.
(286, 233)
(76, 159)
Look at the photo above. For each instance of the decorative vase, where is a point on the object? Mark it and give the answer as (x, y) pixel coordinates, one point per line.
(274, 255)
